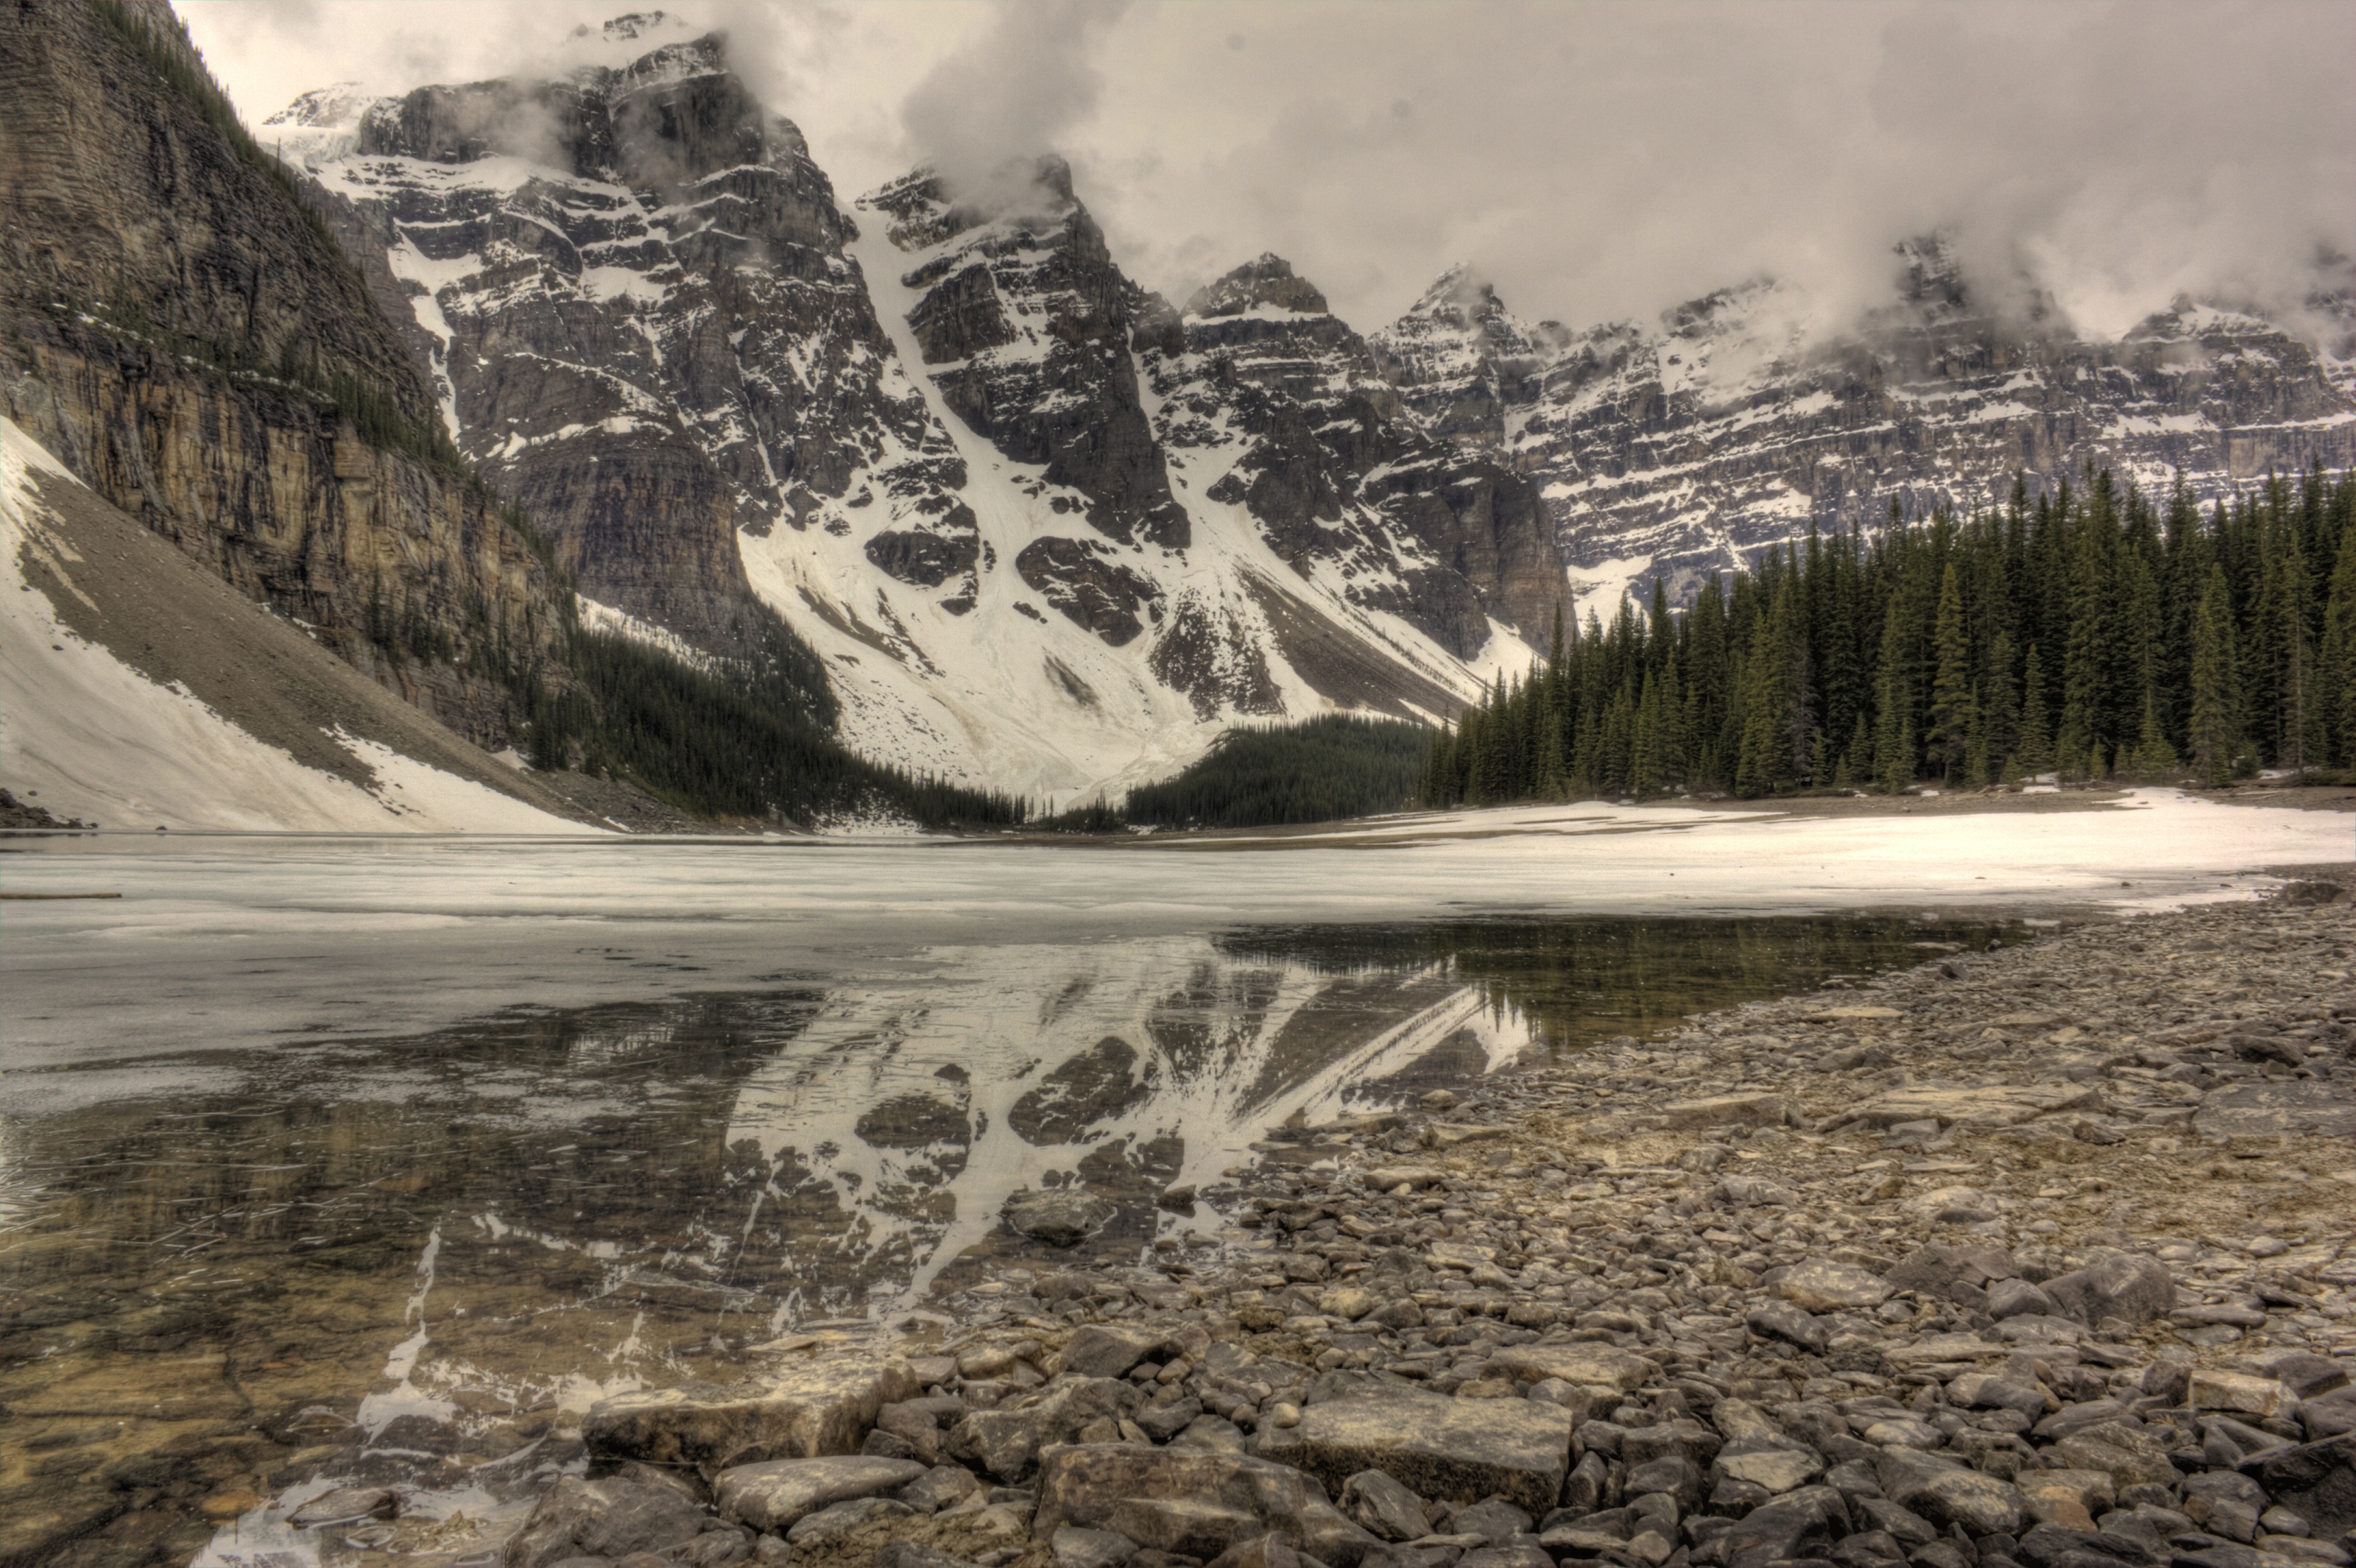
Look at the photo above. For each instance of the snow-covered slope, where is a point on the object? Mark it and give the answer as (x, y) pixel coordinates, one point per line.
(1689, 445)
(86, 734)
(930, 439)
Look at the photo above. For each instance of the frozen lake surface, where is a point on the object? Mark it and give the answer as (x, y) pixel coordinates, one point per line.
(389, 1152)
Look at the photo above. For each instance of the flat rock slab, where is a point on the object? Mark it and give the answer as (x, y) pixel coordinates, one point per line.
(1777, 1469)
(2269, 1110)
(1857, 1015)
(1460, 1449)
(819, 1404)
(1938, 1348)
(1948, 1494)
(1820, 1284)
(1589, 1366)
(775, 1495)
(1729, 1111)
(1192, 1501)
(1996, 1105)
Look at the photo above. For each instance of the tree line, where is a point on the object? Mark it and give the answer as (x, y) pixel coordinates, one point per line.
(2093, 632)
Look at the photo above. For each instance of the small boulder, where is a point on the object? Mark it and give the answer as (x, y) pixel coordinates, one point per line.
(1801, 1524)
(1382, 1507)
(2013, 1297)
(2236, 1392)
(776, 1495)
(1458, 1449)
(821, 1403)
(1775, 1470)
(1108, 1350)
(1820, 1284)
(1192, 1501)
(1947, 1494)
(1060, 1216)
(1781, 1320)
(2131, 1286)
(612, 1518)
(1073, 1546)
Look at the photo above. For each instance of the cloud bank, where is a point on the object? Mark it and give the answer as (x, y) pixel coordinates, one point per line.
(1598, 161)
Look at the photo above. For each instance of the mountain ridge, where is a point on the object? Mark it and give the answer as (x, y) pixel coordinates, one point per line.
(1738, 419)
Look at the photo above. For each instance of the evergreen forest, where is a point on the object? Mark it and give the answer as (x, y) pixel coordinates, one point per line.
(1319, 770)
(2093, 634)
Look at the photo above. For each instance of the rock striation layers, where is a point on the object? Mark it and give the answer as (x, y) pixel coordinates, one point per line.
(186, 338)
(1740, 419)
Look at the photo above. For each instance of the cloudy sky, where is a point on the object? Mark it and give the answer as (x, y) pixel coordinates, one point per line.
(1597, 159)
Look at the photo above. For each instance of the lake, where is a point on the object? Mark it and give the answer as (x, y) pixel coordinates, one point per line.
(371, 1159)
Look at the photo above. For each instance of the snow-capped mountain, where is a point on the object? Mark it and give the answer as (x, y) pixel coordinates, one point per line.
(932, 437)
(1689, 445)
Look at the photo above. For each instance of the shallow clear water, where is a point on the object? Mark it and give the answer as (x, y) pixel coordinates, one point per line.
(253, 1244)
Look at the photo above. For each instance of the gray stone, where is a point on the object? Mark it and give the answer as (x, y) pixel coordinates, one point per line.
(1999, 1391)
(1781, 1320)
(817, 1404)
(1803, 1523)
(1729, 1111)
(1948, 1494)
(1457, 1449)
(1588, 1365)
(1494, 1520)
(1108, 1350)
(841, 1518)
(1820, 1284)
(1382, 1507)
(1073, 1546)
(346, 1505)
(1192, 1501)
(2306, 1373)
(774, 1495)
(2011, 1297)
(610, 1518)
(2316, 1481)
(1671, 1474)
(1775, 1470)
(943, 1486)
(1006, 1442)
(1061, 1217)
(2272, 1109)
(2130, 1455)
(1899, 1522)
(1937, 1269)
(2128, 1285)
(1684, 1439)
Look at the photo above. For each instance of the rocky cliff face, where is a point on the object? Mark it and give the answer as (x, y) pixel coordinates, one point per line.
(1335, 469)
(926, 434)
(631, 287)
(1736, 422)
(186, 338)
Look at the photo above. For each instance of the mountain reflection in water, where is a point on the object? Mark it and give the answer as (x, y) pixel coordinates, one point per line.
(399, 1260)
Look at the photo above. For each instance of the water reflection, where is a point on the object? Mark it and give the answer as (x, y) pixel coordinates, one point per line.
(404, 1260)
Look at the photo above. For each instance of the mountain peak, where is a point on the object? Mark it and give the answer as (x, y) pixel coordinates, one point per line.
(1459, 296)
(1268, 280)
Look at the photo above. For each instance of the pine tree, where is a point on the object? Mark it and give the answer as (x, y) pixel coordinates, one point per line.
(2034, 756)
(2215, 722)
(1950, 686)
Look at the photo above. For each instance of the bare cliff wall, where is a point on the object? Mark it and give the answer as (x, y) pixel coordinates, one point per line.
(185, 335)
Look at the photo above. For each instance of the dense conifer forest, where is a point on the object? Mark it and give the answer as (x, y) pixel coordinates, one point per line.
(746, 742)
(1319, 770)
(2095, 633)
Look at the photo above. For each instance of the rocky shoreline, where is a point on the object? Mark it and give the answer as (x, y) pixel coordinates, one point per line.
(2044, 1257)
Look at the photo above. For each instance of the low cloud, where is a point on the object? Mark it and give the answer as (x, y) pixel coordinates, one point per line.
(1598, 161)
